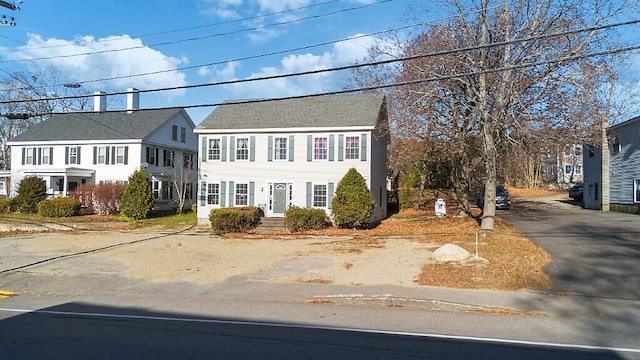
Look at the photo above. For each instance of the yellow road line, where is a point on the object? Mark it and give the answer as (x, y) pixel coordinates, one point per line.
(5, 294)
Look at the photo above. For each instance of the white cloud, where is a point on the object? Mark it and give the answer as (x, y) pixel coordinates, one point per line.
(280, 5)
(103, 61)
(341, 54)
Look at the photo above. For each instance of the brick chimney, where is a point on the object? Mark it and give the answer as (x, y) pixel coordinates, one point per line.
(133, 100)
(99, 101)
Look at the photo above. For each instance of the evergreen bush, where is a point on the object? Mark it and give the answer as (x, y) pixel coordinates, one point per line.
(31, 190)
(353, 203)
(406, 199)
(304, 219)
(59, 207)
(5, 205)
(230, 220)
(137, 198)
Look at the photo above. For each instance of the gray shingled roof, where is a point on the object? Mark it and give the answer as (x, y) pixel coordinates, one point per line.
(308, 112)
(98, 126)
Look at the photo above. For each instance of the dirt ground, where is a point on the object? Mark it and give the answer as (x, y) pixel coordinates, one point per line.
(398, 252)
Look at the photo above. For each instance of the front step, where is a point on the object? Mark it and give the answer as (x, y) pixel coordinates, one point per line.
(268, 224)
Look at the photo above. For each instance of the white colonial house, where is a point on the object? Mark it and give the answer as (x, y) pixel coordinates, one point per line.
(612, 179)
(69, 150)
(276, 154)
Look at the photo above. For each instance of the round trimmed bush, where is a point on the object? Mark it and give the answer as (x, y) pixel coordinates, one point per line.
(353, 203)
(59, 207)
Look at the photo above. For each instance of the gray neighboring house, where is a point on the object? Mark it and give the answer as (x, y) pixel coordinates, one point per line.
(281, 153)
(617, 188)
(69, 150)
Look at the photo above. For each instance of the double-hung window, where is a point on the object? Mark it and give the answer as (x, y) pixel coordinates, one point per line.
(156, 189)
(46, 155)
(242, 194)
(120, 155)
(28, 159)
(169, 157)
(352, 147)
(187, 161)
(242, 149)
(102, 155)
(568, 169)
(320, 147)
(319, 196)
(213, 194)
(214, 149)
(280, 148)
(73, 156)
(615, 144)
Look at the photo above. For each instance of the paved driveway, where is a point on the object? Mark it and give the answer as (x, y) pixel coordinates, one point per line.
(595, 254)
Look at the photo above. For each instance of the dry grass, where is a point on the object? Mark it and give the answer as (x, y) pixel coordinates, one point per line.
(507, 259)
(525, 192)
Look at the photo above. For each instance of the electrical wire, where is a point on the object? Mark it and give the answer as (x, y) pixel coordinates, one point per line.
(262, 27)
(252, 57)
(386, 86)
(353, 66)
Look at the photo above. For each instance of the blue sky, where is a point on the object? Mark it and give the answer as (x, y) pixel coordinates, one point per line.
(192, 42)
(202, 40)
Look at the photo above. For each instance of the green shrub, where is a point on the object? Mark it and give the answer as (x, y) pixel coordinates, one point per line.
(5, 205)
(304, 219)
(137, 198)
(229, 220)
(31, 190)
(406, 199)
(353, 203)
(59, 207)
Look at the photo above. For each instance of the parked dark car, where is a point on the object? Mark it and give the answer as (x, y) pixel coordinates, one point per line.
(576, 192)
(503, 200)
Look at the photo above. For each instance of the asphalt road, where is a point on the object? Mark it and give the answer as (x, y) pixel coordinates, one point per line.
(592, 312)
(595, 254)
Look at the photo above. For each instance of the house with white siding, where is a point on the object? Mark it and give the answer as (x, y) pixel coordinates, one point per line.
(69, 150)
(612, 181)
(275, 154)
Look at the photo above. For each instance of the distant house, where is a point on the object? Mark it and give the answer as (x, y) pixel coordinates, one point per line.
(279, 153)
(617, 188)
(69, 150)
(563, 165)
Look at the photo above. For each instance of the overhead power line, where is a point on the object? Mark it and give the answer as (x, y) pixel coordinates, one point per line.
(352, 66)
(382, 86)
(262, 27)
(252, 57)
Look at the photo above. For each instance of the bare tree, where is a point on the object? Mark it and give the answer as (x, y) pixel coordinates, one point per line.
(183, 179)
(29, 98)
(521, 60)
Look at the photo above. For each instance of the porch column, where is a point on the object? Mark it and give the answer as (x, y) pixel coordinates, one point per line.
(65, 186)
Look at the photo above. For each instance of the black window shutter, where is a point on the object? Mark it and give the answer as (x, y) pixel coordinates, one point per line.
(66, 155)
(126, 155)
(24, 155)
(78, 155)
(95, 155)
(113, 155)
(51, 155)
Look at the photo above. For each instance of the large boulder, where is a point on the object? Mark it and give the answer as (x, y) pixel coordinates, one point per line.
(450, 252)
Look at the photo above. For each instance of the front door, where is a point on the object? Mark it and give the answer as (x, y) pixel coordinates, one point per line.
(279, 198)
